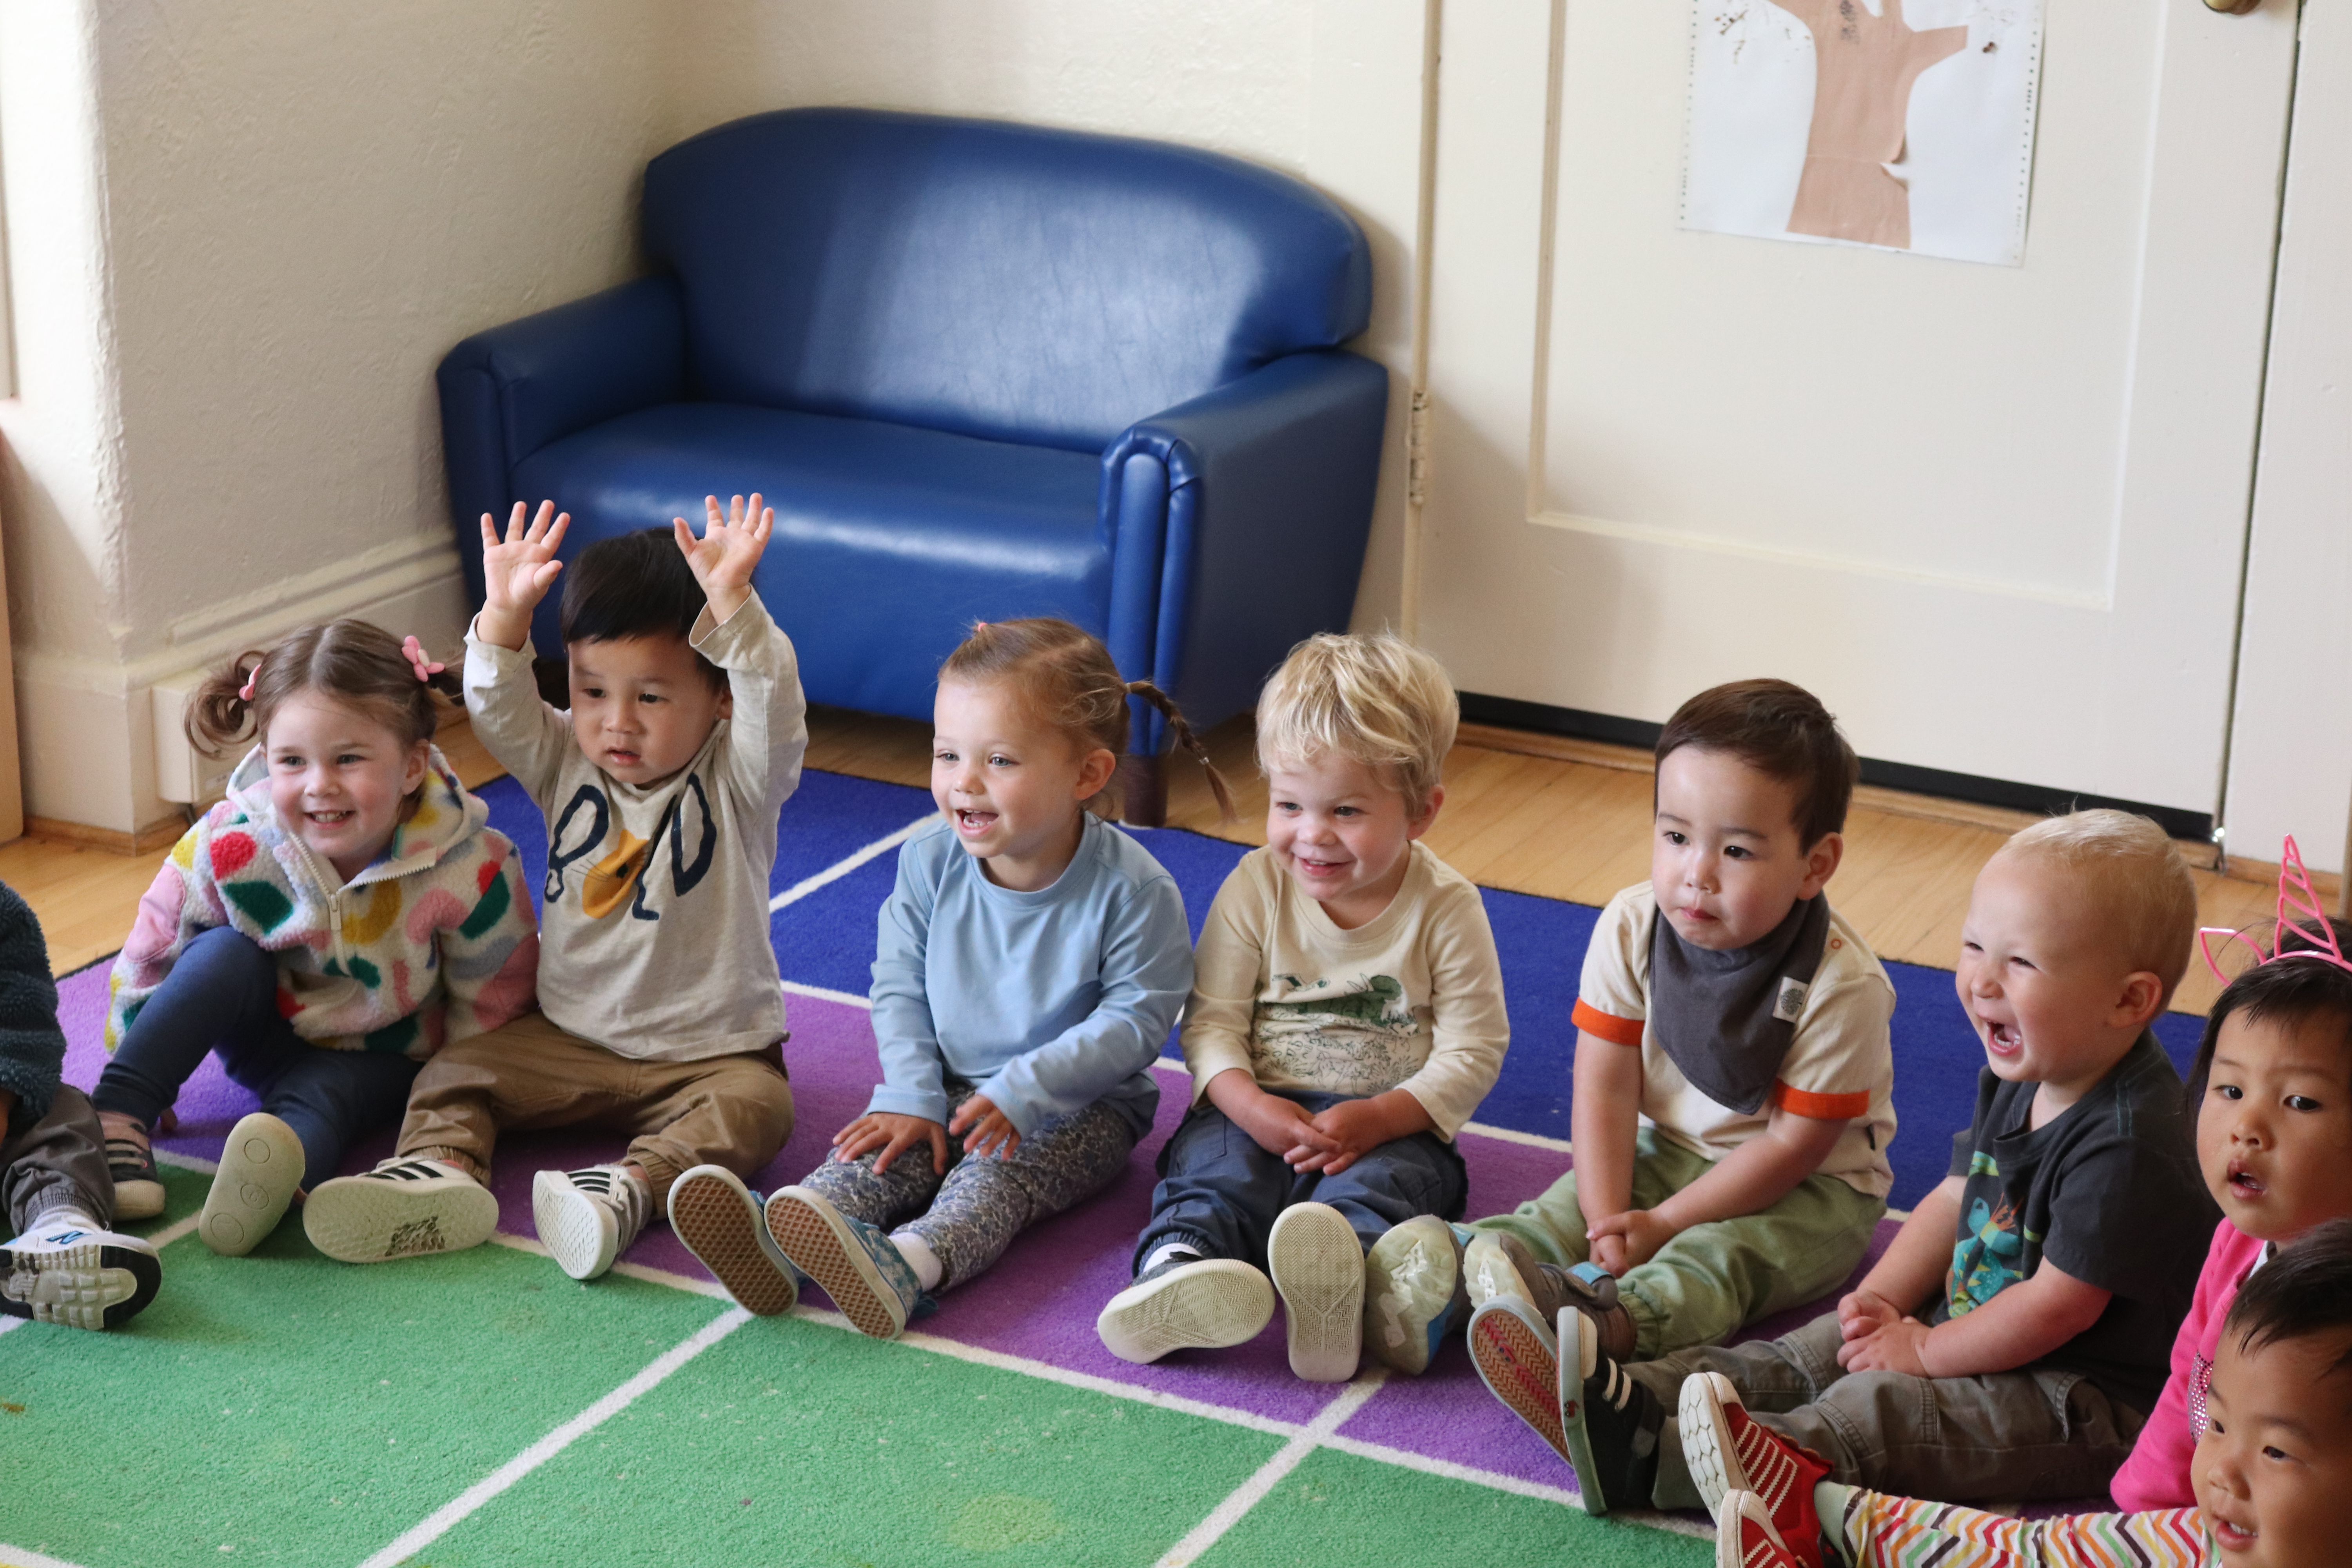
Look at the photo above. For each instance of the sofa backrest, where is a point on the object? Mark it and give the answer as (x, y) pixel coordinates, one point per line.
(1000, 281)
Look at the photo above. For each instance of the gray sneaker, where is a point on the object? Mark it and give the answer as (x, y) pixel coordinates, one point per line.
(68, 1270)
(1499, 1264)
(1414, 1294)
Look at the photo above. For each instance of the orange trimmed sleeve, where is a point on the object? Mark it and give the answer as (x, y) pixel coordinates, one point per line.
(1608, 1025)
(1820, 1106)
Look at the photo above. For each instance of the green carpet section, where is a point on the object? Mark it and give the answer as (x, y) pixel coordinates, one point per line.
(283, 1408)
(791, 1443)
(1336, 1508)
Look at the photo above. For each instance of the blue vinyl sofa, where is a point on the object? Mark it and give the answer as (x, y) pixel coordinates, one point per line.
(981, 371)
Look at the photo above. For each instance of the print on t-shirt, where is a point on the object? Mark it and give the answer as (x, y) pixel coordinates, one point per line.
(1347, 1037)
(1985, 1260)
(621, 876)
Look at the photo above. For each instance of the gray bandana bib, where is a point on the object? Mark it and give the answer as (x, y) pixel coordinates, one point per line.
(1726, 1019)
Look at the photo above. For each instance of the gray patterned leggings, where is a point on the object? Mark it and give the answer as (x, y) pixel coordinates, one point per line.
(970, 1216)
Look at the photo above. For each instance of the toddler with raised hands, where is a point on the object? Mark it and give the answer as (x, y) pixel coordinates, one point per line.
(1346, 1020)
(2270, 1472)
(1028, 964)
(346, 912)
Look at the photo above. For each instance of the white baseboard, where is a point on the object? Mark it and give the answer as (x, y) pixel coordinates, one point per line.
(86, 729)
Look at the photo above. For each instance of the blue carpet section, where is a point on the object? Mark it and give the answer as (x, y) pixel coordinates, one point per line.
(826, 938)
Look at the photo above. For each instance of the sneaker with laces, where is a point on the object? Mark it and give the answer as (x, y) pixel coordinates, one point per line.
(1612, 1423)
(587, 1218)
(138, 1184)
(69, 1270)
(1730, 1452)
(403, 1208)
(260, 1171)
(1189, 1302)
(1498, 1263)
(1317, 1267)
(717, 1218)
(856, 1265)
(1414, 1294)
(1744, 1536)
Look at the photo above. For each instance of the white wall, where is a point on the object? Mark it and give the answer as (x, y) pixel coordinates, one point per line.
(242, 233)
(2290, 758)
(245, 231)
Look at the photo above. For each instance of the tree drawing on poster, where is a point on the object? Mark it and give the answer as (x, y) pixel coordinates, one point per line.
(1876, 123)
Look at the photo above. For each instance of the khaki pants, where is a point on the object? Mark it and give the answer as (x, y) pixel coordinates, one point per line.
(732, 1110)
(1713, 1278)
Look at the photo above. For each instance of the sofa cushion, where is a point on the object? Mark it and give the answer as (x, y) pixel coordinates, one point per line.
(1000, 281)
(889, 540)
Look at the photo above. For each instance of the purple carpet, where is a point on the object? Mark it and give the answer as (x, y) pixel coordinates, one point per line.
(1040, 1302)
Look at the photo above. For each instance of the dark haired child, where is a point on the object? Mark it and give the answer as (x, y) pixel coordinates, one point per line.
(64, 1267)
(1729, 1008)
(2271, 1481)
(2011, 1340)
(345, 912)
(1346, 1020)
(1027, 967)
(661, 1012)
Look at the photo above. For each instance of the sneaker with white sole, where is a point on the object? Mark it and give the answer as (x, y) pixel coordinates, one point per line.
(1414, 1293)
(260, 1171)
(1189, 1302)
(1731, 1453)
(138, 1184)
(1498, 1263)
(1317, 1267)
(719, 1219)
(1744, 1536)
(403, 1208)
(587, 1218)
(861, 1268)
(68, 1270)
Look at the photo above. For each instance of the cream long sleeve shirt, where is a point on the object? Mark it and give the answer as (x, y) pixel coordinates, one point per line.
(1411, 1000)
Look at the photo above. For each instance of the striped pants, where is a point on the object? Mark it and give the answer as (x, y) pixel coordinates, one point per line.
(1883, 1531)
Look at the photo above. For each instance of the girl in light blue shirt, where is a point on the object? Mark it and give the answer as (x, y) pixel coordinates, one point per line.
(1029, 964)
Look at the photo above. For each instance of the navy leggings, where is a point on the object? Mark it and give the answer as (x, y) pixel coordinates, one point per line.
(1219, 1193)
(221, 994)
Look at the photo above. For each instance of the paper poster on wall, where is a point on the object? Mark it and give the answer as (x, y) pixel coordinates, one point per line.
(1906, 126)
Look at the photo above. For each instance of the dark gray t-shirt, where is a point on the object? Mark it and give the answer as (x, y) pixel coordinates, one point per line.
(2109, 1191)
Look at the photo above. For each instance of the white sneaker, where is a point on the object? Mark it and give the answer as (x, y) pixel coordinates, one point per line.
(1318, 1267)
(1186, 1303)
(260, 1171)
(66, 1269)
(586, 1217)
(719, 1218)
(403, 1208)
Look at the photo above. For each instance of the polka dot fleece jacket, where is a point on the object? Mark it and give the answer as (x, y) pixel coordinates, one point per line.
(433, 942)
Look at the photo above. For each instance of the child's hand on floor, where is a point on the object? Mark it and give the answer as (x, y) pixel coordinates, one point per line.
(1897, 1346)
(984, 1128)
(516, 571)
(893, 1134)
(1637, 1233)
(730, 545)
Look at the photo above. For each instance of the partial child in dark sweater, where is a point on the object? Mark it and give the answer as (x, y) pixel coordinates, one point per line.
(66, 1267)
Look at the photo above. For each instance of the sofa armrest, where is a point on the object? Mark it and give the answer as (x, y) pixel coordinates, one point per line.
(510, 391)
(1238, 524)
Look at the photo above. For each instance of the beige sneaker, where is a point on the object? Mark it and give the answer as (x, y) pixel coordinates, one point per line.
(1318, 1269)
(260, 1171)
(403, 1208)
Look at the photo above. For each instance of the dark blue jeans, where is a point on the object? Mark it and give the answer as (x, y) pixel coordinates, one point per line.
(222, 996)
(1219, 1192)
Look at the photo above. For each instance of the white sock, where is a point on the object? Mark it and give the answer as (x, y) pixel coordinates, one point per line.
(1167, 1250)
(64, 1214)
(928, 1269)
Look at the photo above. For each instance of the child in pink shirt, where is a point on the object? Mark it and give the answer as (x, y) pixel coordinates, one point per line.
(2272, 1085)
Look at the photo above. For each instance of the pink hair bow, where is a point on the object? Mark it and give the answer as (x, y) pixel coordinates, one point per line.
(2309, 924)
(244, 692)
(425, 668)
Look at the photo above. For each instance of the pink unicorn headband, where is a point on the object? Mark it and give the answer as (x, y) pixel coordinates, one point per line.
(2296, 897)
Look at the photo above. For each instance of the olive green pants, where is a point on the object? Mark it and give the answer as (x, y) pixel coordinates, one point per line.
(1714, 1279)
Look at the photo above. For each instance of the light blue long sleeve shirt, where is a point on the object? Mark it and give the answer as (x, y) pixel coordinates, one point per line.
(1047, 1002)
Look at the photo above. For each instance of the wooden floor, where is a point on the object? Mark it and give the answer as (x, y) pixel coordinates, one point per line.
(1534, 814)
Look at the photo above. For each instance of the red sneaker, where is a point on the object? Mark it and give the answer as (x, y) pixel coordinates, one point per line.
(1728, 1452)
(1744, 1536)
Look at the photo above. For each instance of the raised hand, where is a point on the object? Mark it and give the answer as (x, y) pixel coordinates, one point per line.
(730, 545)
(516, 571)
